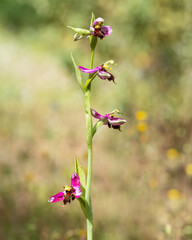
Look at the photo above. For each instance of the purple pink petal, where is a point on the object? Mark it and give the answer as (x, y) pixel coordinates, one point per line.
(116, 121)
(98, 20)
(86, 70)
(75, 180)
(57, 197)
(107, 30)
(75, 183)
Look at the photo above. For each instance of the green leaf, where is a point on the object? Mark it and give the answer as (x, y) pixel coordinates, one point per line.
(93, 42)
(97, 126)
(92, 19)
(81, 173)
(89, 80)
(82, 202)
(78, 74)
(80, 31)
(93, 39)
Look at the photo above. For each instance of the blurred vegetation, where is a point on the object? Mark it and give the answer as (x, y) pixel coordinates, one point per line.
(142, 175)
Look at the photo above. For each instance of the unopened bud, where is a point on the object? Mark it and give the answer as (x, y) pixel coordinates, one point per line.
(80, 31)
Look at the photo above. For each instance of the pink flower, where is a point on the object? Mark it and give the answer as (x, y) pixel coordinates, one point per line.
(98, 30)
(101, 71)
(70, 192)
(109, 119)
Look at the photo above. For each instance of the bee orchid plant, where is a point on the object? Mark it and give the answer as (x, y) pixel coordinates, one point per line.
(80, 187)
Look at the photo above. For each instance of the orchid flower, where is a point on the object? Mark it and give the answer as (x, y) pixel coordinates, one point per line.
(70, 192)
(101, 71)
(109, 119)
(98, 30)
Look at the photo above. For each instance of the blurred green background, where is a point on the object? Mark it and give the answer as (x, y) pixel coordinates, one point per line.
(142, 176)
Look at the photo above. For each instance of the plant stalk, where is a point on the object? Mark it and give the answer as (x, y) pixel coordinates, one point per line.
(89, 127)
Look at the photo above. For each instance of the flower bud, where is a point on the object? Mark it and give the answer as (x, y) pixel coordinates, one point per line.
(80, 31)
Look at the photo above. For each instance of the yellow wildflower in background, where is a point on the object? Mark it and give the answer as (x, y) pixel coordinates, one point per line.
(188, 169)
(142, 127)
(141, 115)
(173, 194)
(172, 153)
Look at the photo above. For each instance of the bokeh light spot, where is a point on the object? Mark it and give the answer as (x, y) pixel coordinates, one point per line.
(173, 194)
(141, 115)
(142, 127)
(188, 169)
(172, 153)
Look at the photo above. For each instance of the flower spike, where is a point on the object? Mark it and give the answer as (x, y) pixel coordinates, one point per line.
(109, 119)
(97, 29)
(70, 192)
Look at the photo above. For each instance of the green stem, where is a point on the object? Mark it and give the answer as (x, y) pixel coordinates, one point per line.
(89, 127)
(92, 57)
(89, 168)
